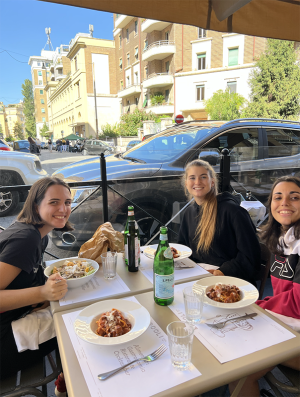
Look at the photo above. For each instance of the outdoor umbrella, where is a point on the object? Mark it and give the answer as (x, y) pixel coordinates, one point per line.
(278, 19)
(72, 137)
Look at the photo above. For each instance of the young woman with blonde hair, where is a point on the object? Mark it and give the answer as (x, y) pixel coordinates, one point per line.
(217, 229)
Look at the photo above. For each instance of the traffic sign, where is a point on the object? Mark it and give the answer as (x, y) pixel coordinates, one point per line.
(179, 119)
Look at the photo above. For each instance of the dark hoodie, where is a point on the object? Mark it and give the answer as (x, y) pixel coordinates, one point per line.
(235, 247)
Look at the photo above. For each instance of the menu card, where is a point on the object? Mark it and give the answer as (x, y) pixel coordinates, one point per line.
(249, 335)
(136, 380)
(188, 269)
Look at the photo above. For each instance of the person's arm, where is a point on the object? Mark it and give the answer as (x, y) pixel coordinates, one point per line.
(183, 236)
(247, 262)
(14, 299)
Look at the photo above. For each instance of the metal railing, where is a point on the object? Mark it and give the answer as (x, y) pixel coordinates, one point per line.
(152, 75)
(158, 44)
(129, 86)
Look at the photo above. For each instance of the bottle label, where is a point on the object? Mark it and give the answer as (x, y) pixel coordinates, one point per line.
(130, 213)
(168, 253)
(164, 286)
(163, 237)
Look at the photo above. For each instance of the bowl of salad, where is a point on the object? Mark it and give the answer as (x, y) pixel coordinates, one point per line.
(77, 271)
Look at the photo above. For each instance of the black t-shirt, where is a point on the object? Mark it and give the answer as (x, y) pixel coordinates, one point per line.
(21, 246)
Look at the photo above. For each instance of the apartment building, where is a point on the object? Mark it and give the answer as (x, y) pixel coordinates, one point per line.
(219, 61)
(3, 121)
(149, 53)
(12, 114)
(87, 95)
(49, 66)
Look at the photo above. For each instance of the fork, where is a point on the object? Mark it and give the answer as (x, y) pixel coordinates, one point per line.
(222, 324)
(151, 357)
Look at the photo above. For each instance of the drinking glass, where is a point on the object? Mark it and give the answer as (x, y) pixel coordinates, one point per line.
(109, 264)
(180, 337)
(193, 304)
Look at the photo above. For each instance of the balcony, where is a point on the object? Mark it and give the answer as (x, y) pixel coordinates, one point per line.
(130, 90)
(158, 80)
(158, 50)
(152, 24)
(116, 32)
(165, 108)
(122, 21)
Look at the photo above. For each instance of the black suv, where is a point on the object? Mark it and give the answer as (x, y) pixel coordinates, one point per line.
(261, 150)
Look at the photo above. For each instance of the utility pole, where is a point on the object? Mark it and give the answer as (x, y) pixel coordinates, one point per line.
(95, 97)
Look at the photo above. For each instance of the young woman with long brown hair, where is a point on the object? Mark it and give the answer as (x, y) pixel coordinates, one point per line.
(216, 228)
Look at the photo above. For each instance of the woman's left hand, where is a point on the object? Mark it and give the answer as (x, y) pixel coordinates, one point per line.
(44, 305)
(217, 273)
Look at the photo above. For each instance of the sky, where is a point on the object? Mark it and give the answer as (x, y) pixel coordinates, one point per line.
(22, 34)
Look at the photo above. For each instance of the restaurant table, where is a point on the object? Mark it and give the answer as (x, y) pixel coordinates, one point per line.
(135, 281)
(213, 373)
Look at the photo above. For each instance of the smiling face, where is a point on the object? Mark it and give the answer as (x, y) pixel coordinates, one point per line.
(285, 205)
(198, 183)
(55, 208)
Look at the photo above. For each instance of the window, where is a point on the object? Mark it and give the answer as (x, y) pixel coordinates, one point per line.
(44, 119)
(231, 85)
(283, 142)
(39, 63)
(136, 27)
(201, 33)
(41, 92)
(167, 95)
(127, 81)
(76, 68)
(121, 64)
(39, 73)
(121, 84)
(42, 101)
(200, 89)
(136, 53)
(40, 82)
(136, 101)
(47, 65)
(120, 40)
(47, 74)
(78, 90)
(242, 144)
(146, 72)
(136, 77)
(127, 35)
(146, 44)
(43, 110)
(201, 61)
(167, 36)
(167, 66)
(128, 59)
(233, 56)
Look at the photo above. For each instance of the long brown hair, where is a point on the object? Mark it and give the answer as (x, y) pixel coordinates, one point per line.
(29, 213)
(208, 210)
(271, 232)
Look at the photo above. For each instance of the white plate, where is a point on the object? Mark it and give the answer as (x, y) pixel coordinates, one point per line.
(85, 324)
(186, 251)
(76, 282)
(249, 292)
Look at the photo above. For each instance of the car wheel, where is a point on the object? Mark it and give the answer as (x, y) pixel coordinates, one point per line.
(8, 202)
(84, 152)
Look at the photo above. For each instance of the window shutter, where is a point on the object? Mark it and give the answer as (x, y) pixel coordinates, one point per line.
(233, 57)
(201, 55)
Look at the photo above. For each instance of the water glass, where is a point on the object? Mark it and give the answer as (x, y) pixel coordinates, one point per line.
(180, 337)
(193, 304)
(109, 264)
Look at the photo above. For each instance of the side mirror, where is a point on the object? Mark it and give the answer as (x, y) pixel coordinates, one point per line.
(212, 156)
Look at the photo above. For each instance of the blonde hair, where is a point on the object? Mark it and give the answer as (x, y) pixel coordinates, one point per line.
(208, 210)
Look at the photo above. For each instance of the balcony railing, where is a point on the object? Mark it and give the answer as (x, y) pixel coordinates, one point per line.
(158, 80)
(129, 90)
(158, 44)
(158, 50)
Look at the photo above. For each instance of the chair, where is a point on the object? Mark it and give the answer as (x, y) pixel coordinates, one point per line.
(264, 268)
(276, 385)
(31, 378)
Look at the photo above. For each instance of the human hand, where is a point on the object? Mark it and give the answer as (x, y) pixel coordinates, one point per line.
(43, 306)
(54, 290)
(217, 273)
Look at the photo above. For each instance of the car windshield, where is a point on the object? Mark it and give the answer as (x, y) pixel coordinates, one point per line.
(23, 144)
(171, 143)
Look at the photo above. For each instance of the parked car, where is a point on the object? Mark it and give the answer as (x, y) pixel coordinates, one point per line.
(21, 146)
(4, 145)
(131, 144)
(260, 152)
(43, 145)
(147, 136)
(17, 169)
(95, 146)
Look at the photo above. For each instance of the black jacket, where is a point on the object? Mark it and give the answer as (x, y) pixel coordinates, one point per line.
(235, 247)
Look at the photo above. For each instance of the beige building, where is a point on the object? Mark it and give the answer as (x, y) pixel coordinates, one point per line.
(13, 114)
(71, 101)
(3, 121)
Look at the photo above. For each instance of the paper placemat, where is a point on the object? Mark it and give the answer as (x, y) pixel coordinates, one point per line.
(146, 268)
(133, 381)
(249, 335)
(97, 287)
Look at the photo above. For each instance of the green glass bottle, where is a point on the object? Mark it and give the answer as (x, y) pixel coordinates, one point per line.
(163, 271)
(126, 231)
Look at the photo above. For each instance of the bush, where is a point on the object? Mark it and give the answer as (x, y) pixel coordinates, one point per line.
(157, 98)
(130, 122)
(109, 130)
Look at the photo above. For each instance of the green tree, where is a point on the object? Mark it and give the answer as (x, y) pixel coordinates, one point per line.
(130, 122)
(1, 130)
(275, 83)
(27, 92)
(18, 131)
(109, 130)
(44, 131)
(224, 105)
(9, 138)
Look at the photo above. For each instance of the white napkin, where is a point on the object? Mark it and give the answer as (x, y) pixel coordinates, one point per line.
(33, 330)
(206, 266)
(294, 323)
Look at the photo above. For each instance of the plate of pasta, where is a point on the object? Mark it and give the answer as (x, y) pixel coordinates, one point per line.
(226, 292)
(179, 251)
(112, 322)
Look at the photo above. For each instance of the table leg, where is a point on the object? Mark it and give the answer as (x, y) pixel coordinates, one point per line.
(238, 387)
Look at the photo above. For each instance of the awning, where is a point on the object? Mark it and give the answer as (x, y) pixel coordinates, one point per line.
(278, 19)
(76, 124)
